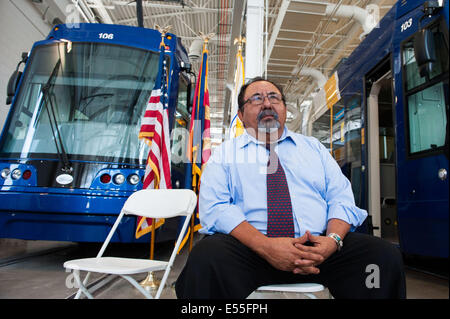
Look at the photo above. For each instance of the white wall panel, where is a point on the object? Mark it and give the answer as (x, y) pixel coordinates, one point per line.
(21, 25)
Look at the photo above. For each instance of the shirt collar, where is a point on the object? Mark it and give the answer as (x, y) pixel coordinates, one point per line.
(246, 138)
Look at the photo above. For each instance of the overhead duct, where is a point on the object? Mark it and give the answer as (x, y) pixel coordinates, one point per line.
(296, 116)
(318, 77)
(319, 80)
(195, 50)
(368, 18)
(52, 12)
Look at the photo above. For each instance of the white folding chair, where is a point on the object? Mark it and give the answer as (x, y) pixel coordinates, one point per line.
(304, 288)
(151, 203)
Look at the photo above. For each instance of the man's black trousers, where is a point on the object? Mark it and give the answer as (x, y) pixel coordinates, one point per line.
(219, 266)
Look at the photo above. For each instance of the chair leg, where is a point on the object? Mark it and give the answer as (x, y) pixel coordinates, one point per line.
(85, 281)
(330, 296)
(137, 286)
(76, 274)
(162, 284)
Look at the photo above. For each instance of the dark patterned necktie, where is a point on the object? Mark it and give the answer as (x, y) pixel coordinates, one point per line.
(280, 222)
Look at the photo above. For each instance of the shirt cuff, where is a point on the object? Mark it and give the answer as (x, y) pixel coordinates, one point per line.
(349, 214)
(226, 220)
(230, 220)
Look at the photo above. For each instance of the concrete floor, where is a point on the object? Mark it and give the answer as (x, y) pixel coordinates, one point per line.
(33, 270)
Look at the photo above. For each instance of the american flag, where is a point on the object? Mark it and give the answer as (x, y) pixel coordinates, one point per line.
(155, 131)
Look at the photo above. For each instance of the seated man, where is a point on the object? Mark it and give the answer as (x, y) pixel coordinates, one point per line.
(276, 208)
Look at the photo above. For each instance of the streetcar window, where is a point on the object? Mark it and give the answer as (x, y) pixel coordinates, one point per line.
(413, 78)
(339, 129)
(427, 118)
(426, 103)
(321, 129)
(353, 144)
(182, 102)
(98, 93)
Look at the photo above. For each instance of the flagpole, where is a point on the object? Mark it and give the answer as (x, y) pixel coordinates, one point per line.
(152, 243)
(191, 235)
(194, 188)
(150, 282)
(206, 38)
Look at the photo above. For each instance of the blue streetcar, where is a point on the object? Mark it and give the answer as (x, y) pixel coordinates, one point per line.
(69, 150)
(389, 130)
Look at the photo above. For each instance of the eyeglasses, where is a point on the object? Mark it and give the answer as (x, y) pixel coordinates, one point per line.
(258, 99)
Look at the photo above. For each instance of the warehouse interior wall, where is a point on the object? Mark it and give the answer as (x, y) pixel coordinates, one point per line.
(21, 25)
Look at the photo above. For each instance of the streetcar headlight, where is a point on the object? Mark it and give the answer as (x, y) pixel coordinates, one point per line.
(5, 173)
(133, 179)
(16, 174)
(119, 179)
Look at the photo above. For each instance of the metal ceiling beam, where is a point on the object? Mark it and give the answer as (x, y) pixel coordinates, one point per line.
(276, 29)
(84, 10)
(186, 8)
(162, 15)
(104, 15)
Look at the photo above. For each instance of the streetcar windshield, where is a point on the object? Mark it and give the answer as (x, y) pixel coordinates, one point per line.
(88, 97)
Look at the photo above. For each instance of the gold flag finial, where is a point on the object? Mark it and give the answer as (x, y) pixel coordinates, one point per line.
(240, 42)
(163, 31)
(207, 37)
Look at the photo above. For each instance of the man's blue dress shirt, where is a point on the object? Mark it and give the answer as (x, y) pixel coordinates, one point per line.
(233, 186)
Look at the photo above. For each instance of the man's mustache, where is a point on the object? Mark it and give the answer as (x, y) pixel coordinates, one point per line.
(267, 112)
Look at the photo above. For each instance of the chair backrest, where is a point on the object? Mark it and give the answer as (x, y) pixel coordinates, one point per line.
(161, 203)
(156, 203)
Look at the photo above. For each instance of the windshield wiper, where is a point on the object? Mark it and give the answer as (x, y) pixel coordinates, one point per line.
(47, 97)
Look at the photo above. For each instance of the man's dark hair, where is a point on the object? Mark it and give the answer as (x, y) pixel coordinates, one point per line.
(241, 95)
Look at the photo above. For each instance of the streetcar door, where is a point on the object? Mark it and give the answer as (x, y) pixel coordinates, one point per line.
(382, 198)
(423, 187)
(180, 132)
